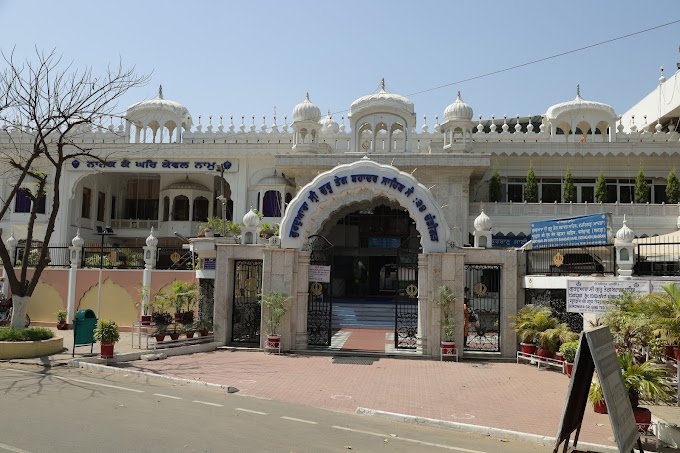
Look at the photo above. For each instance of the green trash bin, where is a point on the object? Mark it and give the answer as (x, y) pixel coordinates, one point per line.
(84, 324)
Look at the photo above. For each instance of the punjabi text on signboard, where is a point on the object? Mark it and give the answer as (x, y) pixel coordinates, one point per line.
(585, 230)
(591, 296)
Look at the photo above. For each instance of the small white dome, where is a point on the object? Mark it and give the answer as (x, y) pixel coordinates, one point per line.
(625, 234)
(579, 106)
(328, 126)
(380, 100)
(306, 111)
(160, 110)
(77, 241)
(457, 111)
(251, 219)
(151, 240)
(482, 222)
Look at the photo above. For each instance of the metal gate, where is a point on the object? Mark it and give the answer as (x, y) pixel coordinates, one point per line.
(319, 304)
(483, 305)
(406, 302)
(246, 312)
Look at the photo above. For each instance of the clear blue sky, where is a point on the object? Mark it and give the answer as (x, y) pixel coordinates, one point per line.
(244, 58)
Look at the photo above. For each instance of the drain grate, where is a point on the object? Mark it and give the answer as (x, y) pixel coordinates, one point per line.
(354, 360)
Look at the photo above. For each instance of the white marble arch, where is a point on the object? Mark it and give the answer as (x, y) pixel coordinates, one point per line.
(305, 217)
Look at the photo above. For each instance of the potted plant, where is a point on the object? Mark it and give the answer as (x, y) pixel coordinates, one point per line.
(529, 322)
(107, 334)
(642, 381)
(61, 320)
(568, 351)
(663, 311)
(174, 332)
(183, 297)
(446, 301)
(276, 305)
(551, 339)
(204, 326)
(161, 321)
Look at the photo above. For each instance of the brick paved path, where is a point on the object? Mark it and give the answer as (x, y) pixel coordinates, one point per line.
(503, 395)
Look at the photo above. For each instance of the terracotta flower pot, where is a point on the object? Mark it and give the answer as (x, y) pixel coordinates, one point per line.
(600, 407)
(546, 354)
(146, 320)
(668, 351)
(190, 333)
(528, 348)
(676, 353)
(160, 336)
(62, 325)
(448, 347)
(106, 350)
(559, 357)
(174, 335)
(643, 418)
(273, 341)
(204, 332)
(568, 368)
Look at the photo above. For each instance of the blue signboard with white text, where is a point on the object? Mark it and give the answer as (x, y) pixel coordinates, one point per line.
(574, 231)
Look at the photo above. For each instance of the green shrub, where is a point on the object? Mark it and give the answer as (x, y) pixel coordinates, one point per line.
(641, 188)
(30, 334)
(106, 331)
(531, 187)
(495, 186)
(568, 350)
(601, 195)
(672, 188)
(569, 188)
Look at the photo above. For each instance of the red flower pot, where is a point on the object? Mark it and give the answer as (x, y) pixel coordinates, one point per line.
(146, 320)
(62, 325)
(600, 407)
(559, 357)
(204, 332)
(528, 348)
(448, 347)
(568, 368)
(273, 341)
(668, 351)
(160, 336)
(106, 350)
(676, 353)
(643, 418)
(546, 354)
(174, 335)
(190, 334)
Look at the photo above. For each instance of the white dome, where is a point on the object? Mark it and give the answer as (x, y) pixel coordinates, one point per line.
(382, 99)
(274, 180)
(306, 111)
(482, 222)
(625, 234)
(159, 109)
(328, 126)
(580, 106)
(77, 241)
(251, 219)
(459, 110)
(151, 240)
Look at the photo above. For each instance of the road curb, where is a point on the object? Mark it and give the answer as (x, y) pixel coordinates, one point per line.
(182, 381)
(490, 431)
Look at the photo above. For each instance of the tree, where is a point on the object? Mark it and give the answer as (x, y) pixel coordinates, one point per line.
(601, 189)
(495, 186)
(641, 188)
(47, 104)
(569, 188)
(672, 188)
(531, 187)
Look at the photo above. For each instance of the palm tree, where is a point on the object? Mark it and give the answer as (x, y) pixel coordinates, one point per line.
(663, 310)
(531, 320)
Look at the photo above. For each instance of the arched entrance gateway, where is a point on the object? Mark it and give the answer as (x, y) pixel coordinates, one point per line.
(364, 226)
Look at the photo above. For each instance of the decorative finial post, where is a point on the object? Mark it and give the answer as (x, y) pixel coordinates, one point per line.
(307, 96)
(578, 90)
(382, 84)
(160, 91)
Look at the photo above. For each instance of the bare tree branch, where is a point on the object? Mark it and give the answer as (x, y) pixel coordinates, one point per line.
(45, 105)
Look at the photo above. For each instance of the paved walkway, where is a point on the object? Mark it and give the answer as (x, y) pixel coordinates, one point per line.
(502, 395)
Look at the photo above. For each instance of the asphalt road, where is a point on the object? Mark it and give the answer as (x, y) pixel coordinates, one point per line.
(71, 410)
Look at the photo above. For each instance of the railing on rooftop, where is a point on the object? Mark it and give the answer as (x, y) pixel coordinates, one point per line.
(580, 260)
(657, 258)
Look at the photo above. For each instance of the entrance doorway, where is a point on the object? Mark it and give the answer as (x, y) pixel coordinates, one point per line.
(369, 302)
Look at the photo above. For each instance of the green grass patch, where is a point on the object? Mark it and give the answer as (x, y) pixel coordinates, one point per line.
(30, 334)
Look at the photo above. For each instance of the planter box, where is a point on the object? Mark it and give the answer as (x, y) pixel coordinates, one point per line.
(30, 349)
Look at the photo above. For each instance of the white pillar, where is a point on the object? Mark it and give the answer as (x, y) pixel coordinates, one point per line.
(149, 265)
(422, 303)
(75, 255)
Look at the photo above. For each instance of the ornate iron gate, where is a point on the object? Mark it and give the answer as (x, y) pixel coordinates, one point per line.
(319, 304)
(483, 301)
(406, 302)
(246, 313)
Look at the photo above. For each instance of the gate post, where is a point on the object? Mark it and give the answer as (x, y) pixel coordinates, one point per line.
(423, 291)
(302, 299)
